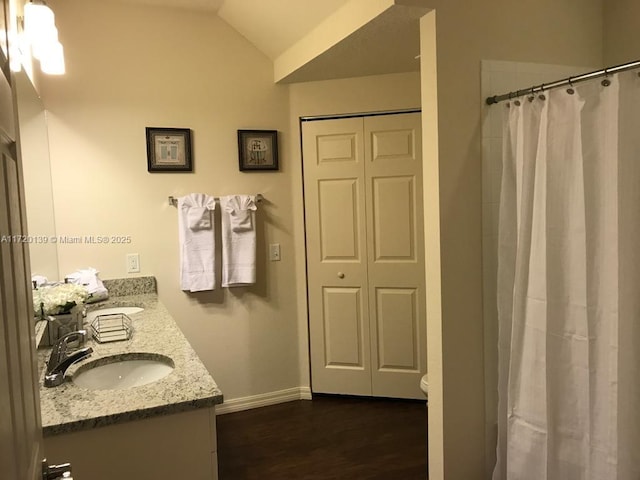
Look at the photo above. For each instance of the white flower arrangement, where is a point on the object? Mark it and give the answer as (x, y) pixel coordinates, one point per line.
(58, 299)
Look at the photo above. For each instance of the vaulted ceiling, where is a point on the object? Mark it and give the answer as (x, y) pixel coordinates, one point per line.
(322, 39)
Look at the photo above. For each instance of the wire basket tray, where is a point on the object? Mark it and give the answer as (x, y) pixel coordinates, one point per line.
(113, 327)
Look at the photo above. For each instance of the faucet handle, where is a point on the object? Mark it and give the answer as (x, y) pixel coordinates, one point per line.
(79, 335)
(82, 334)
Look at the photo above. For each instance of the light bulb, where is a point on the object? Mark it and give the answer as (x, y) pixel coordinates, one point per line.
(42, 35)
(38, 19)
(44, 42)
(53, 62)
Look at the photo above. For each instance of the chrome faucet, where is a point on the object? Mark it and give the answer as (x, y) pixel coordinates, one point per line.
(60, 359)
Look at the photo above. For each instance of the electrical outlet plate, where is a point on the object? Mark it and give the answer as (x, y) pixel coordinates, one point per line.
(133, 263)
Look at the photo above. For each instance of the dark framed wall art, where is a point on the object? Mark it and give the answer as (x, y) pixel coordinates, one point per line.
(169, 149)
(258, 150)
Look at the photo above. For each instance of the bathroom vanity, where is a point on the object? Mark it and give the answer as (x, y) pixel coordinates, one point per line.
(164, 429)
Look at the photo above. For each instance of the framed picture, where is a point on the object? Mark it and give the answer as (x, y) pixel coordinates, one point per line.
(169, 149)
(258, 150)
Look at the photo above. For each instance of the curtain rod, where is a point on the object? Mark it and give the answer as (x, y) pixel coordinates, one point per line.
(566, 81)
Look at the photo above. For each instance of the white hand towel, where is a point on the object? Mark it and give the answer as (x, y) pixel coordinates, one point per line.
(197, 242)
(238, 240)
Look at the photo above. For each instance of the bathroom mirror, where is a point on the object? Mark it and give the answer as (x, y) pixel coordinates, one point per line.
(34, 151)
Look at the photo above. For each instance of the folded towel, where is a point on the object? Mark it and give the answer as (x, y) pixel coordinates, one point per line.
(89, 278)
(241, 220)
(199, 218)
(238, 240)
(39, 280)
(197, 242)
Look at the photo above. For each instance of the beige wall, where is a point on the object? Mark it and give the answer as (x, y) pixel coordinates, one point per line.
(129, 67)
(566, 32)
(125, 73)
(621, 25)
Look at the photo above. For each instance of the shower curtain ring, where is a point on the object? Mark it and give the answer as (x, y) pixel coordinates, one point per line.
(509, 97)
(606, 82)
(542, 96)
(532, 95)
(570, 90)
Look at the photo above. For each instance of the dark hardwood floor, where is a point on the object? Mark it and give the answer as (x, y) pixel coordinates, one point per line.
(329, 437)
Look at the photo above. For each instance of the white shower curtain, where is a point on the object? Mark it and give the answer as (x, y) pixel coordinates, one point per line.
(569, 285)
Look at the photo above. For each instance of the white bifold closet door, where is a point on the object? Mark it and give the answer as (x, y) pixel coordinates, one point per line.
(365, 254)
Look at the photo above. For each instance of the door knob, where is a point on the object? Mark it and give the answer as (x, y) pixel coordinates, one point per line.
(340, 275)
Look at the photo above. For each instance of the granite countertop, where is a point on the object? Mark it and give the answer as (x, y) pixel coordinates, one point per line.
(69, 408)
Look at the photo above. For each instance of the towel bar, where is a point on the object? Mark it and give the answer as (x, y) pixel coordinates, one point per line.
(174, 201)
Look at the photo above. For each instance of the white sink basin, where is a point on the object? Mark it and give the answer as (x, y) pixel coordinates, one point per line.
(123, 371)
(109, 311)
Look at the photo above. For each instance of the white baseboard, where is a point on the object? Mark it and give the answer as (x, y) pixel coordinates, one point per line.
(264, 399)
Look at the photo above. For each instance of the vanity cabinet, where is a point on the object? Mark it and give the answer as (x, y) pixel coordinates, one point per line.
(177, 445)
(165, 429)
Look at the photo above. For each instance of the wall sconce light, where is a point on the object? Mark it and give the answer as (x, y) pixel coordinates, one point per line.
(42, 36)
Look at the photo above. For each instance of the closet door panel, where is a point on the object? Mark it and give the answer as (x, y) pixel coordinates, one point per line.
(339, 234)
(333, 161)
(343, 325)
(394, 219)
(395, 248)
(397, 329)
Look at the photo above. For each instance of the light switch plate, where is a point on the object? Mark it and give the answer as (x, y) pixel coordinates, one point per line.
(274, 252)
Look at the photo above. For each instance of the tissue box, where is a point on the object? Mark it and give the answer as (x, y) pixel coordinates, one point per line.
(59, 325)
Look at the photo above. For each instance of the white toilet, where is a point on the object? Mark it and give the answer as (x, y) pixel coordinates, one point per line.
(424, 385)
